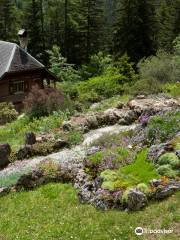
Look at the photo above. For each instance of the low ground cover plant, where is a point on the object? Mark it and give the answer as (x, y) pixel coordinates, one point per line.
(131, 174)
(162, 128)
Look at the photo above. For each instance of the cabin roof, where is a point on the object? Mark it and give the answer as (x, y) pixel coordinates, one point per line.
(14, 59)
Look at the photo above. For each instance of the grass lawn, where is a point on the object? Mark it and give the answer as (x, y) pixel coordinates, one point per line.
(52, 212)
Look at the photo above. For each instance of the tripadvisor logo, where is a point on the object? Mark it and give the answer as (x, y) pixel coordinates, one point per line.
(139, 231)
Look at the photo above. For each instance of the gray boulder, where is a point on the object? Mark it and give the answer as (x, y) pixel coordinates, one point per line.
(157, 150)
(5, 151)
(136, 200)
(166, 191)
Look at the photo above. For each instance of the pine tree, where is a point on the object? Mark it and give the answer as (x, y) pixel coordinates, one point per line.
(135, 30)
(110, 17)
(166, 23)
(8, 20)
(91, 27)
(33, 24)
(168, 15)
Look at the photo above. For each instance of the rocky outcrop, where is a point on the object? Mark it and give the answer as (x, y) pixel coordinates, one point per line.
(5, 151)
(164, 190)
(156, 151)
(153, 104)
(139, 109)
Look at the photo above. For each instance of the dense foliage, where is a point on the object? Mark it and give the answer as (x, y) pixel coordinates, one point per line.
(42, 102)
(7, 113)
(83, 28)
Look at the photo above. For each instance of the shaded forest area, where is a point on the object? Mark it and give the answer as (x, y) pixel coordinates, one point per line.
(82, 28)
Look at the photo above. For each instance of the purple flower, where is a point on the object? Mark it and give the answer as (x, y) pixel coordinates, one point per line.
(144, 119)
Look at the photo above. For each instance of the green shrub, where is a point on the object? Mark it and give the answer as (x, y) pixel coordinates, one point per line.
(166, 170)
(125, 196)
(96, 158)
(169, 158)
(102, 87)
(160, 68)
(7, 113)
(172, 89)
(60, 67)
(42, 149)
(74, 137)
(69, 89)
(109, 175)
(176, 142)
(123, 153)
(162, 128)
(145, 87)
(125, 67)
(98, 64)
(49, 168)
(143, 188)
(108, 185)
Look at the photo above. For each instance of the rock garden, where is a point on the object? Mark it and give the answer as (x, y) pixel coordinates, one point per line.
(128, 157)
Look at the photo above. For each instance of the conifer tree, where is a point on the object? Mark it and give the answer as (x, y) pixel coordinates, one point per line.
(135, 30)
(8, 20)
(33, 23)
(91, 27)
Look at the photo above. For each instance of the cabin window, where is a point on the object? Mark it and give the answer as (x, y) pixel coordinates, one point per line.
(18, 87)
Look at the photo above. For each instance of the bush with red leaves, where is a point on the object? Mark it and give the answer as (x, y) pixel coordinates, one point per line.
(42, 102)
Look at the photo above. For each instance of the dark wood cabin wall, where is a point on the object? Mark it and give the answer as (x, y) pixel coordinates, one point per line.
(30, 78)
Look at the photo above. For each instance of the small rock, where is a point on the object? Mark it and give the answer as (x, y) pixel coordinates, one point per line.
(24, 152)
(39, 139)
(156, 151)
(84, 196)
(92, 122)
(30, 138)
(136, 200)
(67, 126)
(4, 191)
(60, 144)
(141, 97)
(98, 182)
(155, 182)
(120, 105)
(5, 151)
(93, 150)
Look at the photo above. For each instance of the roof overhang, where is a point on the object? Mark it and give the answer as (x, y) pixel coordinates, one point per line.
(45, 72)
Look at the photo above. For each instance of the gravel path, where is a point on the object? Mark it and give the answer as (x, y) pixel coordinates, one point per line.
(94, 135)
(66, 156)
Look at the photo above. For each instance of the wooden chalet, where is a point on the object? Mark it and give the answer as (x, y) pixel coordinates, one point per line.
(19, 71)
